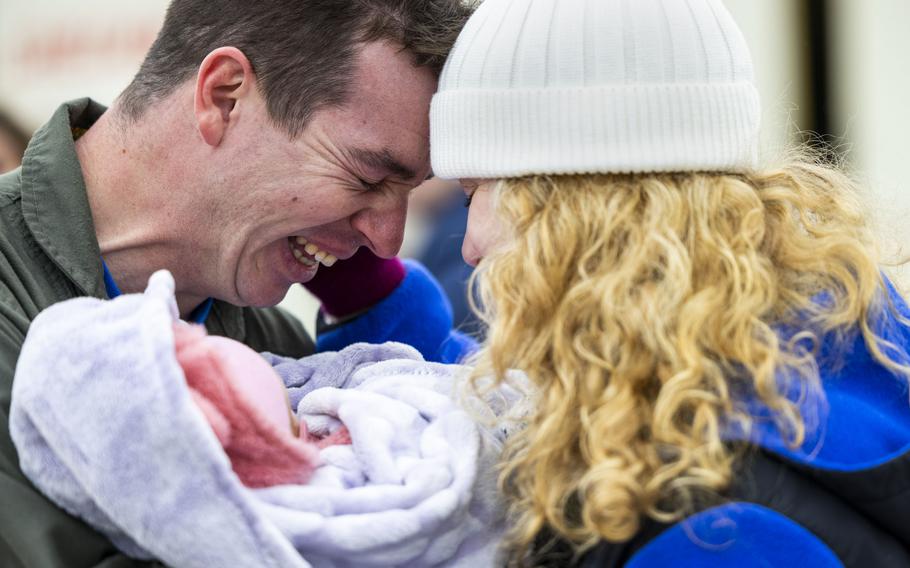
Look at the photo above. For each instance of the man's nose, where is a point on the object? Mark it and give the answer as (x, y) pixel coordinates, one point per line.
(383, 226)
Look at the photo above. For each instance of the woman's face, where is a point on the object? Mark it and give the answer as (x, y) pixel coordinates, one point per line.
(484, 230)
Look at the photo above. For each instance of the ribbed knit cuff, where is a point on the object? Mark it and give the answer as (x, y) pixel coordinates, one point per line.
(490, 133)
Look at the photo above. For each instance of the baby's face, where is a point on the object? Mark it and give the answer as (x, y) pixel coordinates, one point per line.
(485, 230)
(240, 369)
(256, 381)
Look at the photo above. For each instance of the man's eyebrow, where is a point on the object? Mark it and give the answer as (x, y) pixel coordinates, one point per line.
(384, 160)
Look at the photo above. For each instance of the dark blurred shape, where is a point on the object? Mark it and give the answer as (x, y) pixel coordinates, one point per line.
(13, 141)
(818, 16)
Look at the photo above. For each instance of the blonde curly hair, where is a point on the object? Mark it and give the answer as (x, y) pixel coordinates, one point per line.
(638, 305)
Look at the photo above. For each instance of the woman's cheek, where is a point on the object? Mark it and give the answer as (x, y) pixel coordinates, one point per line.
(469, 250)
(484, 230)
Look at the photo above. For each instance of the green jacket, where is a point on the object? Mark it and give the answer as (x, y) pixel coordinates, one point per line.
(48, 253)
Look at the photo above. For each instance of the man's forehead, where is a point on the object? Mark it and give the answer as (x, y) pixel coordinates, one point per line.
(385, 79)
(383, 63)
(384, 160)
(384, 124)
(377, 143)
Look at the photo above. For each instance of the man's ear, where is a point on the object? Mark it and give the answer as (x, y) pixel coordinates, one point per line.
(225, 77)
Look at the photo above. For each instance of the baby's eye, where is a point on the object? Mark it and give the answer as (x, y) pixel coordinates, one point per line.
(467, 200)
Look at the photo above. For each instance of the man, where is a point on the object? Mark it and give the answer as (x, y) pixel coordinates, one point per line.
(253, 146)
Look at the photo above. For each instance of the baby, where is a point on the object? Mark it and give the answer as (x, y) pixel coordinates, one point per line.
(246, 404)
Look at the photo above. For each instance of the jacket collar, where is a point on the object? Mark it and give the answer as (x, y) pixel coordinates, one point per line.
(54, 201)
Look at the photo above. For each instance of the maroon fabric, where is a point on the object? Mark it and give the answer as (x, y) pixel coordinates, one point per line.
(357, 283)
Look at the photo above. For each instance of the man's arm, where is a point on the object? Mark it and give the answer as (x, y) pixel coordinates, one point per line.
(382, 299)
(416, 312)
(33, 531)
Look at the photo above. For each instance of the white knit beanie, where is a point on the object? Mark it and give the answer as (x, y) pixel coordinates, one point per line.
(585, 86)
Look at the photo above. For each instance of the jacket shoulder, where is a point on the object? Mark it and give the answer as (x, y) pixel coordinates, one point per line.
(277, 331)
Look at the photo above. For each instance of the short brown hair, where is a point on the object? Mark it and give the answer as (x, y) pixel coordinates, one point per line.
(302, 51)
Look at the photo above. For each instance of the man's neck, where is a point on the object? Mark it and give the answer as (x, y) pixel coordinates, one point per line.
(130, 176)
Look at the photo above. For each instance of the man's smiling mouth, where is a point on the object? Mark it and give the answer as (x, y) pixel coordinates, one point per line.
(309, 254)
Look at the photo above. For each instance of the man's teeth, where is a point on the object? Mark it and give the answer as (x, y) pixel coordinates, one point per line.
(321, 256)
(302, 259)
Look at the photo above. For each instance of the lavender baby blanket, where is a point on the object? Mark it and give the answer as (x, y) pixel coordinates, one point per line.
(105, 426)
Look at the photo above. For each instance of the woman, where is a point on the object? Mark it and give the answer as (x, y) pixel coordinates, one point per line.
(719, 367)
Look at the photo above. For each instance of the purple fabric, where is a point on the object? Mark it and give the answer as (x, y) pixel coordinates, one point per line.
(105, 427)
(355, 284)
(332, 368)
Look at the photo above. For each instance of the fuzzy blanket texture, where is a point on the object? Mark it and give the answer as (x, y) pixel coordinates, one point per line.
(107, 428)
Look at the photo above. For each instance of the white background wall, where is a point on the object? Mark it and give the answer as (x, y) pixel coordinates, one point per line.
(55, 50)
(871, 103)
(773, 32)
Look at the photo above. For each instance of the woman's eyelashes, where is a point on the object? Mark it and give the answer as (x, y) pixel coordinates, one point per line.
(470, 188)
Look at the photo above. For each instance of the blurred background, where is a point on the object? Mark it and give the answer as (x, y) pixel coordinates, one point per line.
(827, 70)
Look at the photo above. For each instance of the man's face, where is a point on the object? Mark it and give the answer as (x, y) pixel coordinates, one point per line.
(286, 207)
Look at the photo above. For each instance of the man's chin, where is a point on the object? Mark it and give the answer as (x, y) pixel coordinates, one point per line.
(309, 276)
(269, 292)
(258, 299)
